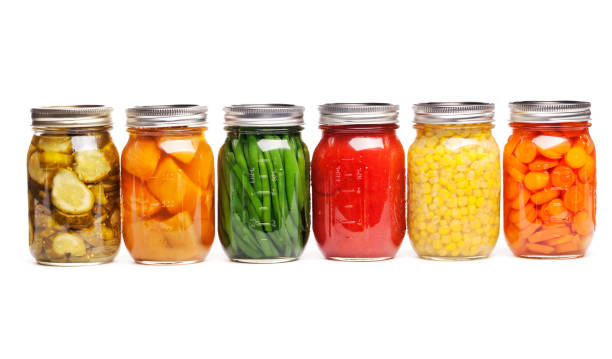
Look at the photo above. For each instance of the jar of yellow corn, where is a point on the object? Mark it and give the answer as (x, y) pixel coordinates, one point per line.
(453, 181)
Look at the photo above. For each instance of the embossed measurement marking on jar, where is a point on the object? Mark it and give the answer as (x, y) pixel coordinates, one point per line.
(349, 175)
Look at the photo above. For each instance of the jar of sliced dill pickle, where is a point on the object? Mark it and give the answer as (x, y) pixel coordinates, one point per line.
(73, 186)
(264, 184)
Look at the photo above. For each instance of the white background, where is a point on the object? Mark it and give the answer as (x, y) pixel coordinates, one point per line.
(124, 53)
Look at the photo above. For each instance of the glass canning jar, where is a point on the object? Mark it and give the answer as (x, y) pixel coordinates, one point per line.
(167, 175)
(73, 186)
(358, 182)
(549, 179)
(453, 181)
(264, 184)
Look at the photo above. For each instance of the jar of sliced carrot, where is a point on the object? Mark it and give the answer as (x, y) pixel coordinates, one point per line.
(549, 180)
(167, 185)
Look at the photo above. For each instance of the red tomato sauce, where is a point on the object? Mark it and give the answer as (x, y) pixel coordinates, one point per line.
(358, 189)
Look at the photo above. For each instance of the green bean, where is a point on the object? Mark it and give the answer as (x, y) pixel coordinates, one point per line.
(248, 243)
(249, 191)
(264, 197)
(267, 200)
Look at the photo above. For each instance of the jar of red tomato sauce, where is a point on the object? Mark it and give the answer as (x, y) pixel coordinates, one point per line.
(358, 185)
(549, 180)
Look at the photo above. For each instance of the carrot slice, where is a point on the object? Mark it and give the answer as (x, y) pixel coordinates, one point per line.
(201, 169)
(513, 140)
(523, 217)
(540, 248)
(552, 147)
(544, 196)
(574, 198)
(140, 157)
(511, 162)
(586, 143)
(525, 151)
(583, 223)
(576, 157)
(542, 165)
(511, 188)
(555, 207)
(521, 200)
(586, 174)
(530, 229)
(562, 177)
(549, 233)
(171, 186)
(560, 240)
(536, 180)
(571, 246)
(512, 233)
(137, 198)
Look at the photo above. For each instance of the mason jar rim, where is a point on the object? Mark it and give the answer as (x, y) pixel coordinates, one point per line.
(264, 115)
(550, 111)
(159, 116)
(448, 113)
(72, 116)
(358, 113)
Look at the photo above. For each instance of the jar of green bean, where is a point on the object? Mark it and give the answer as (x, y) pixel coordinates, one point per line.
(264, 184)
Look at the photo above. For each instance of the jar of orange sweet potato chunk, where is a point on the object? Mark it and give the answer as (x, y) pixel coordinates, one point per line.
(549, 180)
(167, 185)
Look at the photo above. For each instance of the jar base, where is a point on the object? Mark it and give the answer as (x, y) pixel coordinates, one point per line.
(358, 259)
(264, 261)
(557, 256)
(167, 263)
(75, 264)
(452, 259)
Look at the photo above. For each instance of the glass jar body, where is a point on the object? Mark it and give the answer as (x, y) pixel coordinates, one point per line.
(358, 186)
(549, 189)
(264, 194)
(168, 195)
(73, 196)
(453, 191)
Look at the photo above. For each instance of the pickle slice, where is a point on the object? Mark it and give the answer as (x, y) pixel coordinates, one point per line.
(39, 174)
(110, 152)
(65, 244)
(77, 221)
(60, 144)
(99, 195)
(51, 159)
(92, 237)
(69, 194)
(91, 166)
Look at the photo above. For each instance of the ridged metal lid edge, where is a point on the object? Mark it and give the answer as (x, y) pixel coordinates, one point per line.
(183, 115)
(550, 111)
(264, 115)
(355, 113)
(453, 112)
(74, 116)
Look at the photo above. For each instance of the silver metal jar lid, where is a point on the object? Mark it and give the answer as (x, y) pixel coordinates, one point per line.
(446, 113)
(264, 115)
(335, 114)
(166, 116)
(77, 116)
(550, 111)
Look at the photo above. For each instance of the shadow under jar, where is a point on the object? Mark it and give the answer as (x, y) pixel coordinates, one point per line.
(453, 181)
(264, 191)
(358, 182)
(549, 180)
(73, 186)
(167, 175)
